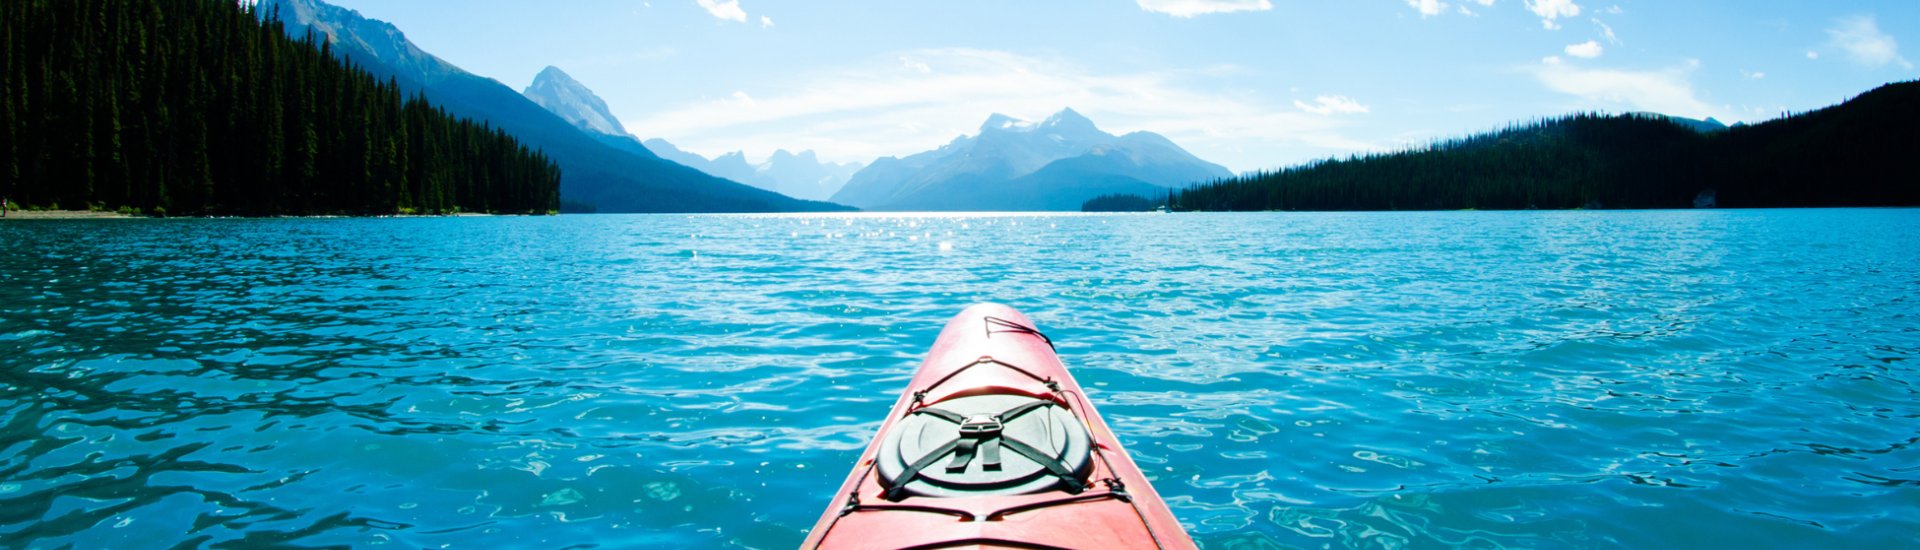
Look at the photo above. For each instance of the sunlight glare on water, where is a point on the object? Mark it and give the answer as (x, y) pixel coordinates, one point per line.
(1482, 379)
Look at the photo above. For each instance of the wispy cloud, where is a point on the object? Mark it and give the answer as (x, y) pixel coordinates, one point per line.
(1464, 10)
(1428, 8)
(1431, 8)
(1607, 31)
(765, 21)
(1667, 91)
(906, 102)
(1551, 10)
(1327, 105)
(1585, 50)
(728, 10)
(1863, 42)
(1190, 8)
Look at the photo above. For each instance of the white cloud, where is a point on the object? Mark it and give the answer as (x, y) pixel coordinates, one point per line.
(1550, 10)
(765, 21)
(1861, 39)
(1585, 50)
(1607, 31)
(1813, 54)
(728, 10)
(1331, 105)
(1754, 75)
(1429, 8)
(1662, 91)
(881, 108)
(1190, 8)
(1550, 60)
(916, 65)
(742, 97)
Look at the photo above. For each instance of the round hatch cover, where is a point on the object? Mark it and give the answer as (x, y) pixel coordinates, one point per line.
(965, 432)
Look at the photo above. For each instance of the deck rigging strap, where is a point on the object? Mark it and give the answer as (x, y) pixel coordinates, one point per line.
(981, 435)
(1009, 326)
(920, 396)
(1115, 488)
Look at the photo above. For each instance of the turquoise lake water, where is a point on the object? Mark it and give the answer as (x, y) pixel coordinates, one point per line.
(1481, 379)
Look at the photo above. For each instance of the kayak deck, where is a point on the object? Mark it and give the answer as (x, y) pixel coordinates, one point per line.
(994, 444)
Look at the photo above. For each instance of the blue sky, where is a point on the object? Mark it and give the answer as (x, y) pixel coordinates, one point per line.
(1249, 84)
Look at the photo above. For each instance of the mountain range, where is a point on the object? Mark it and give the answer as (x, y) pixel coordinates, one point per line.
(595, 175)
(800, 175)
(1012, 164)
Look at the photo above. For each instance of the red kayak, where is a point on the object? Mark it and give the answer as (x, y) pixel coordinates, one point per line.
(994, 445)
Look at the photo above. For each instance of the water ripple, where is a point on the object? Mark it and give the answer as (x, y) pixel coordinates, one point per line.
(1488, 380)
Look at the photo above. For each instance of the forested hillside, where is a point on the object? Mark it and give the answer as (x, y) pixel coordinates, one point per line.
(1858, 153)
(1118, 202)
(203, 107)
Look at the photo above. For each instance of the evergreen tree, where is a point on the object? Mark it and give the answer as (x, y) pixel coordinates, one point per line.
(1853, 154)
(206, 107)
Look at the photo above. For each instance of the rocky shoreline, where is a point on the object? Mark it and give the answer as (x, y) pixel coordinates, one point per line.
(63, 215)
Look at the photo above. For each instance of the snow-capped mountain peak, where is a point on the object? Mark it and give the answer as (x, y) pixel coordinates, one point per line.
(1012, 164)
(1002, 123)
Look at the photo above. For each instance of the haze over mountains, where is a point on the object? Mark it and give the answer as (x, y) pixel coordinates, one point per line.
(799, 175)
(595, 175)
(1011, 164)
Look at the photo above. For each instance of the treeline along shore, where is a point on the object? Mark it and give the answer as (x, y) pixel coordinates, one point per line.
(1858, 153)
(203, 107)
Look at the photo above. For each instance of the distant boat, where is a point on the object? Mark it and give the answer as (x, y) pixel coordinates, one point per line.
(1162, 209)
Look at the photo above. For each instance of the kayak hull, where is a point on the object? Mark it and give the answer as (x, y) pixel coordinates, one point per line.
(991, 349)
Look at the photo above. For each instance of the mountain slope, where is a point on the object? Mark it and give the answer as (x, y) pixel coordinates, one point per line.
(1857, 153)
(1012, 164)
(796, 175)
(557, 92)
(732, 166)
(803, 175)
(799, 175)
(595, 174)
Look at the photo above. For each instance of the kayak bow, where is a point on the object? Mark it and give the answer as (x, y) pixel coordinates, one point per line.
(993, 444)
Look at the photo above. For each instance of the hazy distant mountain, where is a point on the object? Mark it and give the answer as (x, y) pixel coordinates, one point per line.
(732, 166)
(1710, 125)
(607, 177)
(560, 94)
(1055, 164)
(803, 175)
(799, 175)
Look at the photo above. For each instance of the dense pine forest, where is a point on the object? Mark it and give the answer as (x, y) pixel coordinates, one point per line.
(1859, 153)
(203, 107)
(1118, 202)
